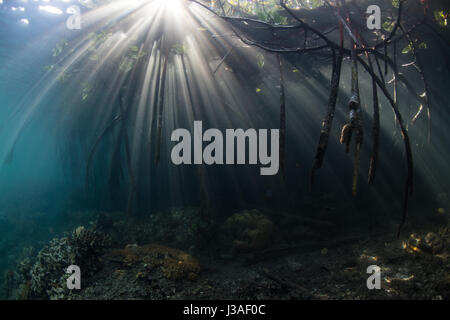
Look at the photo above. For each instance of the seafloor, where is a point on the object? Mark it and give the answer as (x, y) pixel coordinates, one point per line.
(174, 255)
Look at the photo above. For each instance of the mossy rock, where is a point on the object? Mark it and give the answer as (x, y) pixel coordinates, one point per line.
(248, 230)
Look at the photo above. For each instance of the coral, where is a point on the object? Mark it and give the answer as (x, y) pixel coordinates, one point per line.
(24, 268)
(248, 230)
(82, 248)
(175, 264)
(47, 272)
(87, 247)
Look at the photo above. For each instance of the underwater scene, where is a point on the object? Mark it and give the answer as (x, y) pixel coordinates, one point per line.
(224, 150)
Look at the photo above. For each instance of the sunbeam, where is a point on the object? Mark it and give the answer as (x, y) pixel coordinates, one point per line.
(246, 131)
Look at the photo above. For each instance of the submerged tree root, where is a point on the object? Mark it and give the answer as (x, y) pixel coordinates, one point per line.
(328, 120)
(375, 130)
(314, 41)
(354, 125)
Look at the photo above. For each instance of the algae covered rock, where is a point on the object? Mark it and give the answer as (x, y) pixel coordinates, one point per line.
(174, 264)
(248, 230)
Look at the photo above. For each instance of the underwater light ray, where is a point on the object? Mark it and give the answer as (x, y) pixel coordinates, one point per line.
(26, 112)
(190, 93)
(199, 75)
(203, 77)
(182, 109)
(170, 75)
(130, 32)
(67, 65)
(147, 89)
(125, 102)
(204, 74)
(24, 119)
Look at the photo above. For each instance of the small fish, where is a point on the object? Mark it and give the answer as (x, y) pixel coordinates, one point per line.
(441, 211)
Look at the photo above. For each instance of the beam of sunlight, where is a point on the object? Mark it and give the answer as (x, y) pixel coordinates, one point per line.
(201, 82)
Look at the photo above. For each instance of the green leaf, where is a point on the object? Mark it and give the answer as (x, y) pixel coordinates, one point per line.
(126, 65)
(94, 57)
(86, 90)
(135, 54)
(441, 18)
(408, 48)
(59, 48)
(260, 60)
(180, 49)
(272, 16)
(262, 15)
(316, 3)
(278, 18)
(422, 45)
(49, 68)
(388, 26)
(63, 76)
